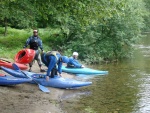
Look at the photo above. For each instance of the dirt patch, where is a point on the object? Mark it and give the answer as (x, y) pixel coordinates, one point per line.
(27, 98)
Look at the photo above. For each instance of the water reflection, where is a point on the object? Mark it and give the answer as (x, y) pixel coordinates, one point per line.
(144, 101)
(74, 94)
(116, 92)
(143, 104)
(126, 89)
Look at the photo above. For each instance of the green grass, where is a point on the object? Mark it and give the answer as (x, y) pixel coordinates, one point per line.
(15, 40)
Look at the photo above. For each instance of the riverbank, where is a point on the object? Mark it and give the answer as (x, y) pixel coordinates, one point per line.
(27, 98)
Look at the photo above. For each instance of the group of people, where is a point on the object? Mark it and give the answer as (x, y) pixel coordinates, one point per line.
(52, 59)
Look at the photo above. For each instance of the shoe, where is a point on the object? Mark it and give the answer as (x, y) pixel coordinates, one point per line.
(42, 70)
(30, 70)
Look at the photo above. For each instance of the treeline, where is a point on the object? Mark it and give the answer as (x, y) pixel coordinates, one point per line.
(97, 29)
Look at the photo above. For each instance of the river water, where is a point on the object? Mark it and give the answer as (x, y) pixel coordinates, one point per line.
(126, 89)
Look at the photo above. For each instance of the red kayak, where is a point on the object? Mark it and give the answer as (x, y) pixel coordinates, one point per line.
(8, 64)
(25, 56)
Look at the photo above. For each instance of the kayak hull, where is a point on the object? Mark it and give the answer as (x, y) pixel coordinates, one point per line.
(87, 71)
(56, 82)
(7, 80)
(25, 56)
(60, 82)
(8, 64)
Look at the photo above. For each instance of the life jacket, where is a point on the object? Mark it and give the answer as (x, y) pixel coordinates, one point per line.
(44, 59)
(34, 43)
(44, 56)
(70, 65)
(54, 53)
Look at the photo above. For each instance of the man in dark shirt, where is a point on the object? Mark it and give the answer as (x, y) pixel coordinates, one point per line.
(35, 42)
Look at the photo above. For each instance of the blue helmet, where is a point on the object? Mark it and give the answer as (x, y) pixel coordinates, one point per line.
(65, 59)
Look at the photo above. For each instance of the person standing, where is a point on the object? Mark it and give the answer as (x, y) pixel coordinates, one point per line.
(73, 62)
(52, 59)
(35, 43)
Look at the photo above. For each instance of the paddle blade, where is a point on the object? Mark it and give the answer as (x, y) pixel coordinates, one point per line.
(15, 66)
(44, 89)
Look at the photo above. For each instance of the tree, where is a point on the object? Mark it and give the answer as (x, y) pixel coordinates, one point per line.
(18, 14)
(117, 25)
(146, 17)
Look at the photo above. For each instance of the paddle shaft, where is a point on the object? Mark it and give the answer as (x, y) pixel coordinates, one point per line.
(44, 89)
(28, 76)
(5, 60)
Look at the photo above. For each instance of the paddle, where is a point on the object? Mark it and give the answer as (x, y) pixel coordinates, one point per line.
(5, 60)
(43, 88)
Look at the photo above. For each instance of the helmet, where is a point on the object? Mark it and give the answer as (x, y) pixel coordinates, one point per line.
(75, 53)
(65, 59)
(35, 31)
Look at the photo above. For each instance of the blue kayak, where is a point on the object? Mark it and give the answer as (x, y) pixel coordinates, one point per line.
(7, 80)
(87, 71)
(57, 82)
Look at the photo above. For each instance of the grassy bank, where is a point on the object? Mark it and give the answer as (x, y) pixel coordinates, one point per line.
(15, 40)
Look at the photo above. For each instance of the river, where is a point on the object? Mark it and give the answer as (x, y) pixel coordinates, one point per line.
(126, 89)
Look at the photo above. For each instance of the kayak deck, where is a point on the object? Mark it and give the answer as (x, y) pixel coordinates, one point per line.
(87, 71)
(57, 81)
(11, 80)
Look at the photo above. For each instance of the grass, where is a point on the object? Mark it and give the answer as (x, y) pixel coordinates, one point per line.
(15, 40)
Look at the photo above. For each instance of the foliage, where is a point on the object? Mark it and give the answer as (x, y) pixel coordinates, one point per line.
(15, 40)
(98, 30)
(17, 13)
(147, 17)
(113, 35)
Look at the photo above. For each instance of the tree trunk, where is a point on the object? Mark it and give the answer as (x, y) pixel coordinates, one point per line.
(5, 22)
